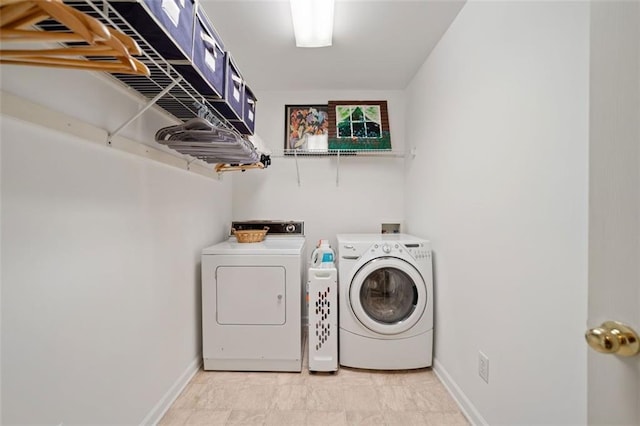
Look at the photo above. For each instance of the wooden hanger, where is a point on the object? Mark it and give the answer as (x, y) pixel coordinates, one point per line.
(16, 16)
(79, 64)
(241, 167)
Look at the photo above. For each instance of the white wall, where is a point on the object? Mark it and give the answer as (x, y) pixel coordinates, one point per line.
(100, 261)
(499, 118)
(369, 191)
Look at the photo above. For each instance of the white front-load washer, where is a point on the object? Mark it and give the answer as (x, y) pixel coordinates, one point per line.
(385, 301)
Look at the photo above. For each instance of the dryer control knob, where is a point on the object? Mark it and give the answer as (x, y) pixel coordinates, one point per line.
(386, 248)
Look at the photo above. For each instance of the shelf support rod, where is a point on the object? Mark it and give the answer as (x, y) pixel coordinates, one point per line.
(338, 169)
(149, 104)
(295, 155)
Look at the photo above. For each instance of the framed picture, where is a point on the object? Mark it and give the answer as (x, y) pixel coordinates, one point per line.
(359, 125)
(306, 128)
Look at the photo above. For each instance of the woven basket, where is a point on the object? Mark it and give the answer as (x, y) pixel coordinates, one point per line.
(250, 235)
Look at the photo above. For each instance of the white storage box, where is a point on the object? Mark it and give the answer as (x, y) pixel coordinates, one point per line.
(323, 319)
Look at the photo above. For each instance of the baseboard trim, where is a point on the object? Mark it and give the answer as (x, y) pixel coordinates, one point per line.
(466, 406)
(172, 394)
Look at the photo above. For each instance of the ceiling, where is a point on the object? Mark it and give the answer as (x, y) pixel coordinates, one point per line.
(376, 44)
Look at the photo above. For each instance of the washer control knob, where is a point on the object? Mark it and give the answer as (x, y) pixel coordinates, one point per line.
(290, 228)
(386, 248)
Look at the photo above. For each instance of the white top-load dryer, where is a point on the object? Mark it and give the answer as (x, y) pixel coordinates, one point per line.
(251, 300)
(386, 301)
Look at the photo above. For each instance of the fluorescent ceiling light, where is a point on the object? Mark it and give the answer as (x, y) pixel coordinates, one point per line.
(312, 22)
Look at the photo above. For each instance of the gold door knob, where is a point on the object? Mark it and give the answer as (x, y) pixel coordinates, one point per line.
(613, 337)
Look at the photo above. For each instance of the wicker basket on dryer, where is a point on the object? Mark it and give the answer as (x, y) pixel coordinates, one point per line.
(250, 235)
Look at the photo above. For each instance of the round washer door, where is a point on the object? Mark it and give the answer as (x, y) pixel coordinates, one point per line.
(388, 295)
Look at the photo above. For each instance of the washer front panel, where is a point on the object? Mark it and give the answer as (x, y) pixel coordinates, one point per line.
(388, 295)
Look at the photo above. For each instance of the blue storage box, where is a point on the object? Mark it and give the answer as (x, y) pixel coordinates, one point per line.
(206, 72)
(167, 25)
(248, 124)
(230, 106)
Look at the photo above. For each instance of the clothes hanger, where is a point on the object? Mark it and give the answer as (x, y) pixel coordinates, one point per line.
(79, 64)
(19, 14)
(101, 40)
(241, 167)
(22, 12)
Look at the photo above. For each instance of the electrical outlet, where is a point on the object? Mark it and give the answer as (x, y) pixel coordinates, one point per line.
(483, 366)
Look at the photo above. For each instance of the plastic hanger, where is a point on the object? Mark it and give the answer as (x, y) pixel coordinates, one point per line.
(201, 139)
(101, 41)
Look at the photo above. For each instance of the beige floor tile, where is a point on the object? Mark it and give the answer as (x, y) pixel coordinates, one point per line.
(175, 416)
(445, 419)
(365, 417)
(247, 417)
(191, 396)
(326, 418)
(396, 398)
(202, 376)
(361, 398)
(355, 377)
(291, 378)
(419, 377)
(433, 399)
(386, 377)
(227, 377)
(446, 401)
(208, 417)
(220, 397)
(259, 397)
(403, 418)
(323, 379)
(290, 397)
(261, 378)
(325, 398)
(286, 417)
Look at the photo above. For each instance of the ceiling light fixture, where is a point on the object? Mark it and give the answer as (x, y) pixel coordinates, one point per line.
(312, 22)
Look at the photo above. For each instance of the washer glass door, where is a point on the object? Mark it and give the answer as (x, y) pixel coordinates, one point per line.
(388, 295)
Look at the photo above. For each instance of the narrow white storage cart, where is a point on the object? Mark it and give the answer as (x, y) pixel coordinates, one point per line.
(323, 319)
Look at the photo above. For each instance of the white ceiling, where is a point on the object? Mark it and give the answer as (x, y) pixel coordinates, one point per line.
(376, 44)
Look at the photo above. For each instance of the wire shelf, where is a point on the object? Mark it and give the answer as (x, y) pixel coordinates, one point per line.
(182, 101)
(342, 153)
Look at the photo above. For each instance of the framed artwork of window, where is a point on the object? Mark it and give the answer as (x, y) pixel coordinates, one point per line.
(359, 125)
(306, 128)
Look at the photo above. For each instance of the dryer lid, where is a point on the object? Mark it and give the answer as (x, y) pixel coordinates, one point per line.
(269, 246)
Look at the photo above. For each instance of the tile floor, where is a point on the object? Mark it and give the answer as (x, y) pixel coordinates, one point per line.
(348, 397)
